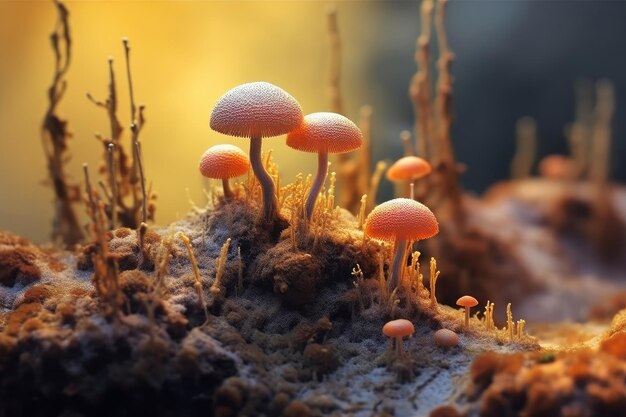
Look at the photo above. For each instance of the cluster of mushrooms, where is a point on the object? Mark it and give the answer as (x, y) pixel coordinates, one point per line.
(262, 110)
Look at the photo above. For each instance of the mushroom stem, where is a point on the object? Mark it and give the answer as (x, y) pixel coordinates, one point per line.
(322, 170)
(267, 185)
(399, 346)
(412, 186)
(467, 316)
(228, 192)
(398, 258)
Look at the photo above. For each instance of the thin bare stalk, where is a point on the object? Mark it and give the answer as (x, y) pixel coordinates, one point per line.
(66, 227)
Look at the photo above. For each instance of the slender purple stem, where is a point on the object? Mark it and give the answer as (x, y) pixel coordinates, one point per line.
(267, 184)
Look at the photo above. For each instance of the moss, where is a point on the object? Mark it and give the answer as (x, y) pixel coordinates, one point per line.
(592, 383)
(36, 294)
(321, 359)
(122, 232)
(17, 317)
(615, 345)
(17, 266)
(66, 312)
(31, 325)
(134, 285)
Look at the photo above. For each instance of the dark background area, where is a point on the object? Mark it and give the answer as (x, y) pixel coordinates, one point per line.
(513, 59)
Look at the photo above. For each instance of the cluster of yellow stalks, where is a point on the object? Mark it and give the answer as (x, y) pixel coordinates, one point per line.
(512, 331)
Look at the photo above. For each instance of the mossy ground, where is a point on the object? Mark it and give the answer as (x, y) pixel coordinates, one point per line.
(294, 336)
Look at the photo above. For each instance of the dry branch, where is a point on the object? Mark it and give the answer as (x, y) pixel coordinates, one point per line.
(131, 203)
(66, 228)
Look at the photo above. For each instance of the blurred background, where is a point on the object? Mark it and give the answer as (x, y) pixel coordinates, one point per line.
(513, 59)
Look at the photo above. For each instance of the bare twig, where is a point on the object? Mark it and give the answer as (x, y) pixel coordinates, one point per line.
(443, 106)
(113, 185)
(66, 227)
(420, 86)
(334, 63)
(133, 204)
(526, 137)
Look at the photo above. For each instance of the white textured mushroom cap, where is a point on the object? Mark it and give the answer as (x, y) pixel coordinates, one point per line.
(258, 109)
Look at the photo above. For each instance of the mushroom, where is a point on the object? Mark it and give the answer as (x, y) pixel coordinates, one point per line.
(401, 220)
(257, 110)
(408, 169)
(398, 329)
(223, 162)
(468, 302)
(446, 338)
(557, 167)
(324, 133)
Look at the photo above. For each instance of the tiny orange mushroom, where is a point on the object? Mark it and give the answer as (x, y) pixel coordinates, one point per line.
(223, 162)
(468, 302)
(446, 338)
(256, 111)
(408, 169)
(557, 167)
(324, 133)
(401, 220)
(398, 329)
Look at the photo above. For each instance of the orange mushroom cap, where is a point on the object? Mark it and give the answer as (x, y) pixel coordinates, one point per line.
(256, 109)
(446, 338)
(224, 161)
(467, 301)
(557, 167)
(325, 132)
(408, 168)
(398, 328)
(401, 218)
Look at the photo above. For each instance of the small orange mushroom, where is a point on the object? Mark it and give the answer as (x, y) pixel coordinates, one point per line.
(557, 167)
(468, 302)
(398, 329)
(408, 169)
(257, 110)
(401, 220)
(324, 133)
(446, 338)
(223, 162)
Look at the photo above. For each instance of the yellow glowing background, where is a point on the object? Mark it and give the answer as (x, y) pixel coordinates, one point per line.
(185, 55)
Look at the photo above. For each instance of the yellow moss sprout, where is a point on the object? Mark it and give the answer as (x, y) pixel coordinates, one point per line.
(362, 211)
(415, 276)
(357, 273)
(520, 328)
(434, 276)
(239, 271)
(196, 274)
(489, 316)
(219, 269)
(509, 322)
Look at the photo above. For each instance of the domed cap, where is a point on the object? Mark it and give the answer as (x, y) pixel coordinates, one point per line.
(224, 161)
(401, 218)
(446, 338)
(256, 109)
(467, 301)
(398, 328)
(408, 168)
(557, 167)
(325, 132)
